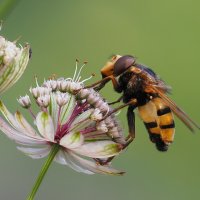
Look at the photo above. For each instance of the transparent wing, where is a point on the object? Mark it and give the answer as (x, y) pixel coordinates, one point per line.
(177, 111)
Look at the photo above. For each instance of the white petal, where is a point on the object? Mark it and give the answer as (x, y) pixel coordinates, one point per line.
(24, 125)
(85, 115)
(36, 153)
(10, 118)
(96, 135)
(92, 166)
(99, 149)
(65, 158)
(60, 158)
(67, 109)
(82, 121)
(18, 137)
(45, 125)
(53, 109)
(72, 140)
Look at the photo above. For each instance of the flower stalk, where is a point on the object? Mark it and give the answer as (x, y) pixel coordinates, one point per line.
(43, 171)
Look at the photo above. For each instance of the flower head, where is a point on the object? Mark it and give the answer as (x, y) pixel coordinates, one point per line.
(71, 117)
(13, 62)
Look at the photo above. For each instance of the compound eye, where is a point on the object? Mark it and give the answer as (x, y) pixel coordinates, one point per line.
(108, 68)
(122, 64)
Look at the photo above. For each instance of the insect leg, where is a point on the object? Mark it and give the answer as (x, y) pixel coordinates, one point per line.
(131, 102)
(117, 101)
(115, 83)
(103, 162)
(131, 125)
(102, 83)
(130, 137)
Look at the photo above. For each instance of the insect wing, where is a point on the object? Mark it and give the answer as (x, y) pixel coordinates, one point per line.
(177, 111)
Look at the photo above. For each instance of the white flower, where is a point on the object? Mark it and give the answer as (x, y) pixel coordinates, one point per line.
(62, 98)
(96, 115)
(51, 84)
(25, 101)
(44, 100)
(13, 62)
(40, 91)
(71, 120)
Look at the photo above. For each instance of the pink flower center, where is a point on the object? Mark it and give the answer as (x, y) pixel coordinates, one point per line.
(63, 129)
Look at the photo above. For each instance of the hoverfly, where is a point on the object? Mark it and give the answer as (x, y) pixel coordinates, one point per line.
(141, 88)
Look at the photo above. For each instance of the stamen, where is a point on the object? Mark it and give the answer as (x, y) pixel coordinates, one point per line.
(77, 78)
(36, 81)
(75, 70)
(87, 79)
(16, 40)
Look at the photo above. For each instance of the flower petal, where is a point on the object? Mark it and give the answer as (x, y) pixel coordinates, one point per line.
(36, 153)
(96, 135)
(60, 158)
(65, 159)
(53, 109)
(99, 149)
(24, 125)
(45, 125)
(18, 137)
(83, 116)
(82, 121)
(10, 118)
(72, 140)
(15, 69)
(91, 165)
(67, 109)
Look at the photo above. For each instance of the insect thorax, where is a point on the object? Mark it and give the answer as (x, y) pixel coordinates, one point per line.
(133, 86)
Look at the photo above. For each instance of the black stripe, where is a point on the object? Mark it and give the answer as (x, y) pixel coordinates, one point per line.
(163, 111)
(160, 144)
(172, 125)
(150, 125)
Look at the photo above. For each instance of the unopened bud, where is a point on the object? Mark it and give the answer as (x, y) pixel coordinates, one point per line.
(43, 101)
(24, 101)
(61, 98)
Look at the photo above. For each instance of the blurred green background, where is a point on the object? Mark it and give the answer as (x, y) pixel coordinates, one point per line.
(162, 34)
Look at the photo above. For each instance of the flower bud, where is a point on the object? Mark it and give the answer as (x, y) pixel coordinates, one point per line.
(64, 85)
(43, 101)
(83, 94)
(13, 62)
(61, 98)
(102, 127)
(96, 115)
(40, 91)
(51, 84)
(24, 101)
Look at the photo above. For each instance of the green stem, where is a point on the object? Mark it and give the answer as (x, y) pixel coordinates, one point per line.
(54, 150)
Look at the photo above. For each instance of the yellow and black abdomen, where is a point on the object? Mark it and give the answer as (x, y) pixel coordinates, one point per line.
(159, 122)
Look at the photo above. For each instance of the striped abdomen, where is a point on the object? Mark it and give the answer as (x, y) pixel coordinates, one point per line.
(159, 122)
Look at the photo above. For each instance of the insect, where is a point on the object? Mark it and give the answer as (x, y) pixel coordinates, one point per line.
(141, 88)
